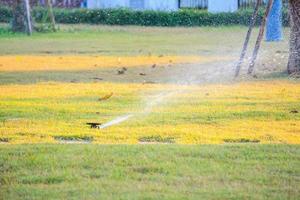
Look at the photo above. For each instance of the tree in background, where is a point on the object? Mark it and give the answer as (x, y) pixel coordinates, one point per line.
(19, 16)
(294, 59)
(22, 21)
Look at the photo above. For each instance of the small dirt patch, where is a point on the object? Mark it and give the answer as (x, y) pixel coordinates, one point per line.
(74, 139)
(149, 170)
(241, 140)
(4, 140)
(156, 140)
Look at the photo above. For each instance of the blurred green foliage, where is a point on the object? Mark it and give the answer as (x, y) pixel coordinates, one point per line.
(184, 17)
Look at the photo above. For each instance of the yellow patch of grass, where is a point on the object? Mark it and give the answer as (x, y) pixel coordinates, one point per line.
(13, 63)
(210, 114)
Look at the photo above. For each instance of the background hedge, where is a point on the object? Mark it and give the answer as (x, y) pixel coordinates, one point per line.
(189, 17)
(5, 14)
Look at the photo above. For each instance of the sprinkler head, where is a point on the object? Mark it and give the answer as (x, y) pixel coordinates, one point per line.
(94, 125)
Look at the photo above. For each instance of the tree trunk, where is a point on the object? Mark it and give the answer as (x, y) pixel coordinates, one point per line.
(51, 15)
(19, 17)
(28, 18)
(294, 59)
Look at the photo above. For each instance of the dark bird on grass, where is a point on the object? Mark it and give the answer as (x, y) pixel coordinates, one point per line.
(153, 66)
(149, 82)
(74, 81)
(106, 97)
(142, 74)
(121, 71)
(96, 78)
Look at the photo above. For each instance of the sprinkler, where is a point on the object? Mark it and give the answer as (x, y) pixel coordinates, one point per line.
(93, 125)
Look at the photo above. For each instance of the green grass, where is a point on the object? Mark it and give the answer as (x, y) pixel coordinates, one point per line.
(118, 41)
(149, 172)
(128, 40)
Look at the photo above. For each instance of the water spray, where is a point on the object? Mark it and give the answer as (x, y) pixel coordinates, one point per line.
(158, 99)
(115, 121)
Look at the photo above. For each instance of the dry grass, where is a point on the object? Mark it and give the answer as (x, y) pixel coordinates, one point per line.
(14, 63)
(210, 114)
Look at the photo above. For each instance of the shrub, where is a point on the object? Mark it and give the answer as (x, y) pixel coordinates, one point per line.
(185, 17)
(5, 14)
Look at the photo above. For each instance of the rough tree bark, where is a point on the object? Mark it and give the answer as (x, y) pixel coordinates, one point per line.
(294, 58)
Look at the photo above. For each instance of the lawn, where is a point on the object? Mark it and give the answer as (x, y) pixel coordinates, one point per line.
(149, 172)
(262, 111)
(190, 130)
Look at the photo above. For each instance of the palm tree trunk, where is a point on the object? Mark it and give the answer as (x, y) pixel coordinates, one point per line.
(294, 59)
